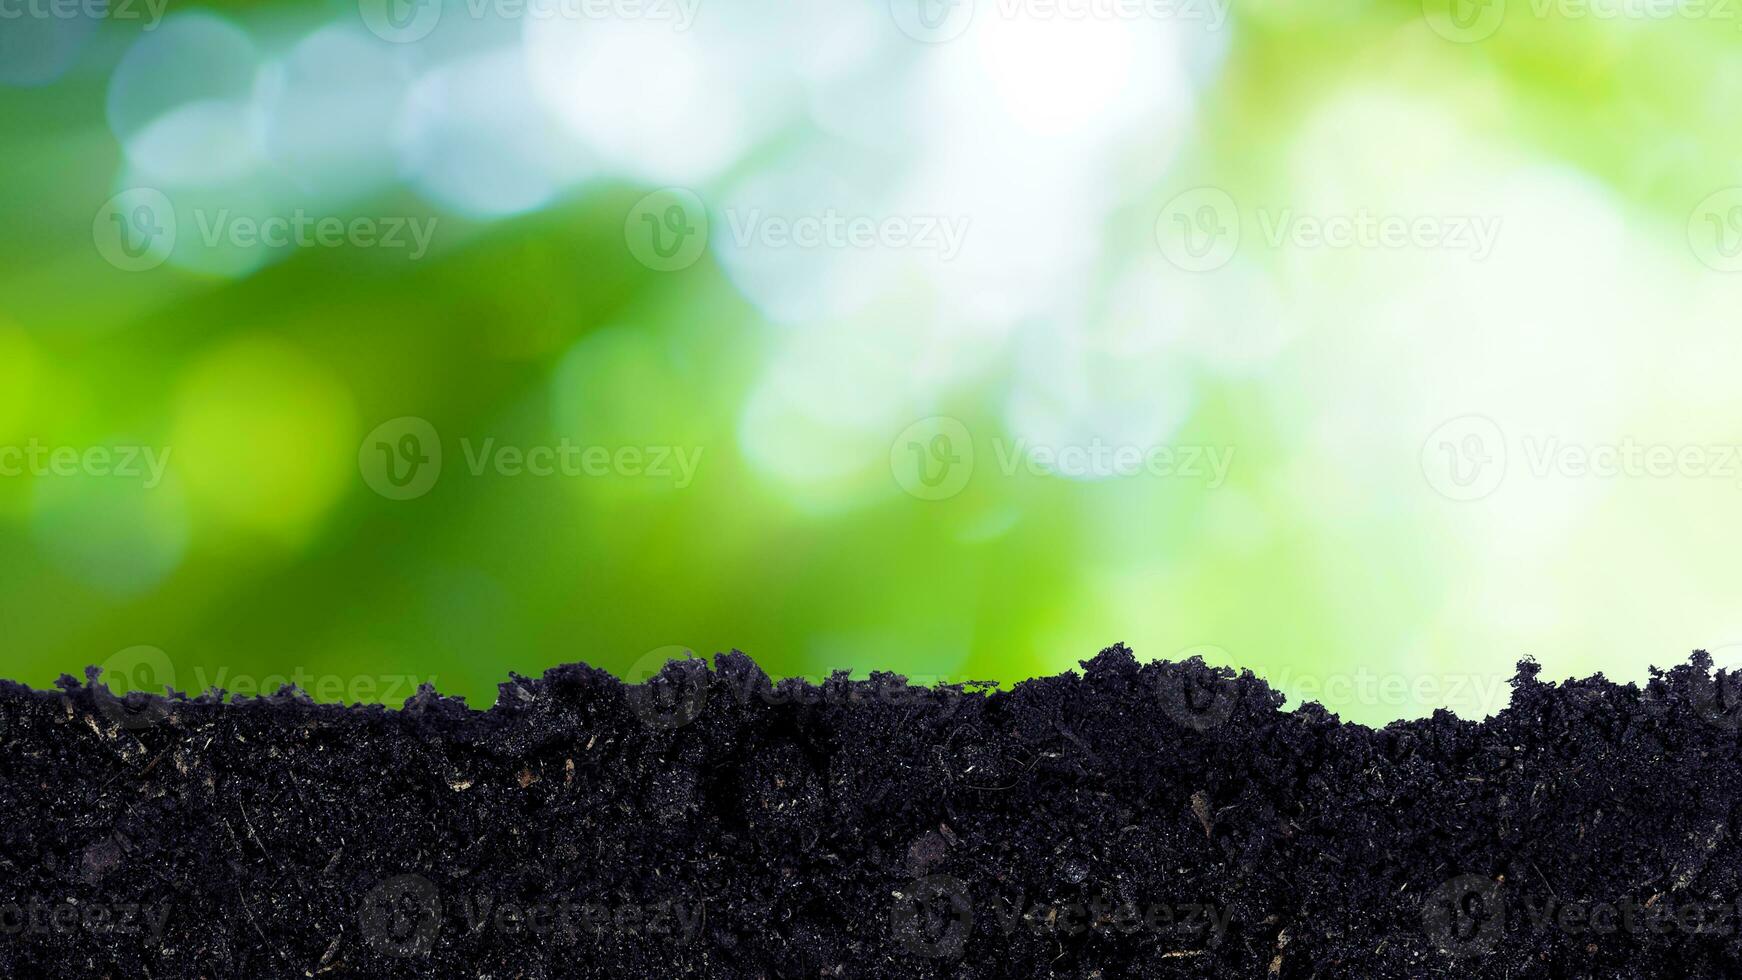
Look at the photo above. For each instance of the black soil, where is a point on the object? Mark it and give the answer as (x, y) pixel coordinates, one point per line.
(1134, 821)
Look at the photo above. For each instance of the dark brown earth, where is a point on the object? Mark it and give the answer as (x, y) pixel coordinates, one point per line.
(1155, 821)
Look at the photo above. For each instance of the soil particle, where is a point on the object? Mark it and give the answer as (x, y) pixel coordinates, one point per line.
(1155, 820)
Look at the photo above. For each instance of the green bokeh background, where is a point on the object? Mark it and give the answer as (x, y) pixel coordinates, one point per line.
(1330, 560)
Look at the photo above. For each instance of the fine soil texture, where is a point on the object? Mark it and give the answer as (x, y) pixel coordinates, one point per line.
(1155, 820)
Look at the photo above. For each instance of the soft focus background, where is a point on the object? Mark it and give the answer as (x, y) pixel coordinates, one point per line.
(1369, 346)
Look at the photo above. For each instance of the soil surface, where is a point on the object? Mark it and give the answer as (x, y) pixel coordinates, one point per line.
(1159, 820)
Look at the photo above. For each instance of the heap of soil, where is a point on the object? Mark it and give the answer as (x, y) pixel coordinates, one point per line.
(1132, 821)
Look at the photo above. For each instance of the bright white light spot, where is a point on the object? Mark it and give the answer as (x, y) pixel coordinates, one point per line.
(181, 100)
(475, 139)
(796, 283)
(329, 113)
(1051, 77)
(1069, 401)
(655, 104)
(1025, 121)
(1230, 321)
(206, 142)
(823, 416)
